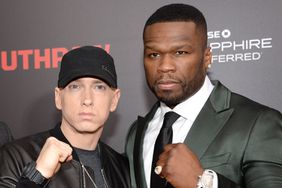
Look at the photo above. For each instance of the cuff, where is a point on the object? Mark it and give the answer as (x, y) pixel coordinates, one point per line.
(208, 179)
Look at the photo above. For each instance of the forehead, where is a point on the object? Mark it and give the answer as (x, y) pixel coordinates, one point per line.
(173, 29)
(88, 79)
(173, 35)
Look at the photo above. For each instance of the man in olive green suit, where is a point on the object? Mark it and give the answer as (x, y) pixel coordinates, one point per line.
(220, 139)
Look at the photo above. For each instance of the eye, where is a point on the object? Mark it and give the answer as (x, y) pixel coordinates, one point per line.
(101, 87)
(181, 53)
(153, 55)
(74, 86)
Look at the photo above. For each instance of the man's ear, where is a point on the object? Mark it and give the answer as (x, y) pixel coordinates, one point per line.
(115, 99)
(58, 100)
(207, 58)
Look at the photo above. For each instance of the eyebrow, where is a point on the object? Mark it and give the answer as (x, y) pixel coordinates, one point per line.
(96, 80)
(99, 82)
(173, 46)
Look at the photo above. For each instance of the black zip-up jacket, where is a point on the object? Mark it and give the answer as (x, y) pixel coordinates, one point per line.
(16, 155)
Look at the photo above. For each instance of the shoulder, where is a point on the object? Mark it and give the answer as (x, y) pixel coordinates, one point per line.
(4, 127)
(113, 161)
(16, 154)
(132, 130)
(260, 116)
(140, 121)
(245, 104)
(110, 153)
(223, 96)
(28, 146)
(5, 133)
(115, 165)
(245, 111)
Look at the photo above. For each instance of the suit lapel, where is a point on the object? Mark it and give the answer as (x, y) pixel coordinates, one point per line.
(142, 124)
(215, 114)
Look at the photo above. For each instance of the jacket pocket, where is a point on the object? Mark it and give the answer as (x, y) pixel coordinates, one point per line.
(210, 161)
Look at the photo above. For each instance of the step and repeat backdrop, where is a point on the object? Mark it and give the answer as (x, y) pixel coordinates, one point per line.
(245, 37)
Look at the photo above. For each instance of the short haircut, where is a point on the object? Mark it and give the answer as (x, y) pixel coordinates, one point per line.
(179, 13)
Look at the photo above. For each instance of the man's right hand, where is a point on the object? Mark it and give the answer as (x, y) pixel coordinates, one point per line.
(180, 166)
(52, 155)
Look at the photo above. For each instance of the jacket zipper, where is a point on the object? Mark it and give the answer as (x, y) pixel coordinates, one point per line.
(83, 177)
(84, 171)
(104, 178)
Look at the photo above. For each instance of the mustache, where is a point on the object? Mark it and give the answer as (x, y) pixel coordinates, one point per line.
(167, 78)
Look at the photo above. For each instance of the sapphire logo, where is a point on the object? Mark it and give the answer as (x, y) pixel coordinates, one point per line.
(225, 49)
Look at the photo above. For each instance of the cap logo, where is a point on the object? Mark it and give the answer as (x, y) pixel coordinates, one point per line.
(105, 68)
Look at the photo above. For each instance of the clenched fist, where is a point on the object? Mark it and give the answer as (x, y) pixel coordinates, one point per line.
(53, 153)
(180, 166)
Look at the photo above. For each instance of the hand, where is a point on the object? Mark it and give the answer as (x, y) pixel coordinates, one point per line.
(180, 166)
(53, 153)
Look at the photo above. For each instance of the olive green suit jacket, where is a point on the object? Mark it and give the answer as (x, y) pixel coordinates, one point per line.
(239, 139)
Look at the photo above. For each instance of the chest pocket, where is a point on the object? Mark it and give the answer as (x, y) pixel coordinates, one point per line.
(211, 161)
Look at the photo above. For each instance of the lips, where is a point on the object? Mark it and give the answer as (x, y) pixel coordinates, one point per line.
(86, 115)
(167, 84)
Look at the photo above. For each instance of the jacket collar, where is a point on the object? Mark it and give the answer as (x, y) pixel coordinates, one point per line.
(57, 133)
(142, 124)
(220, 97)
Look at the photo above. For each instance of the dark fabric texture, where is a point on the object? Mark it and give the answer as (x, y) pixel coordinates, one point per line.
(5, 133)
(15, 155)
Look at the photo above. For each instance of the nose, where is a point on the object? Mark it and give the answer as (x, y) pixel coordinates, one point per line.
(166, 64)
(87, 99)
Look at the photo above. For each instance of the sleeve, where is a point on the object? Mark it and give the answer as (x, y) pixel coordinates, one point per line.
(223, 182)
(210, 179)
(262, 162)
(26, 183)
(11, 168)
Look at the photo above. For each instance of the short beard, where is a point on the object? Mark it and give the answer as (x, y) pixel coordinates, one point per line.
(169, 99)
(188, 90)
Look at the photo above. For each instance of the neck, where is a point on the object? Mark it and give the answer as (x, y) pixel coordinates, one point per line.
(82, 140)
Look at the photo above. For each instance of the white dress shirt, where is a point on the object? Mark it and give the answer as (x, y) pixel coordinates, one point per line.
(188, 111)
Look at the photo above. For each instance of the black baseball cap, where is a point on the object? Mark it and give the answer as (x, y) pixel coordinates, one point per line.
(87, 61)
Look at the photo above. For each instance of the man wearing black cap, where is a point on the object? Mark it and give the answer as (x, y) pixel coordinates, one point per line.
(71, 155)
